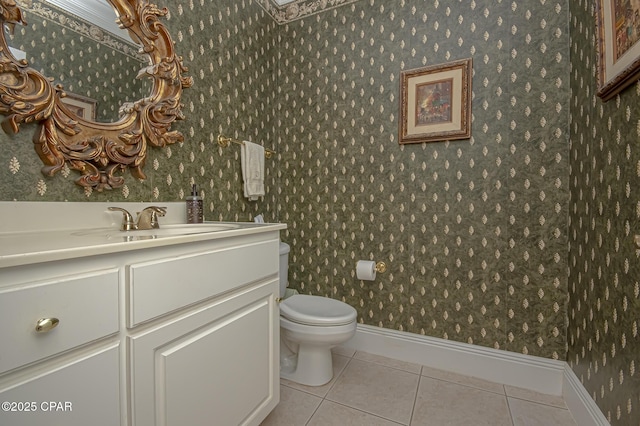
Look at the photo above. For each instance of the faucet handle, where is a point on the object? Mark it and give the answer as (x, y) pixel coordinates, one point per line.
(148, 218)
(127, 220)
(161, 211)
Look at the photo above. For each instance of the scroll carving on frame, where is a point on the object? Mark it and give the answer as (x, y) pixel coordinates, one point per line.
(101, 152)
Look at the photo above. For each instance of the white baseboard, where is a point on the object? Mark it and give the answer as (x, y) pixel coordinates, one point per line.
(579, 402)
(509, 368)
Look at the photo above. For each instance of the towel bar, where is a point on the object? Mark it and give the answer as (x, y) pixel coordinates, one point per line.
(224, 142)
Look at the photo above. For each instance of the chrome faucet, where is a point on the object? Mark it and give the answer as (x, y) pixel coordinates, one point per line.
(146, 219)
(127, 219)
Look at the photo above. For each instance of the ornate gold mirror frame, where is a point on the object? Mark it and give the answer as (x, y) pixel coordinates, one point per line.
(101, 152)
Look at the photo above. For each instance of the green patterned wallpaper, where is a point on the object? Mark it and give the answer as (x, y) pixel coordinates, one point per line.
(478, 234)
(604, 213)
(473, 232)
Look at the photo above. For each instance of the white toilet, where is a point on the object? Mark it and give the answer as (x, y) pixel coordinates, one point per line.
(309, 327)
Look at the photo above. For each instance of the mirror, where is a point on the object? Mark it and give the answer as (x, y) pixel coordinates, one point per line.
(78, 44)
(100, 151)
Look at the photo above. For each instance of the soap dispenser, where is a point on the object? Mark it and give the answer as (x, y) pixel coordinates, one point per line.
(194, 207)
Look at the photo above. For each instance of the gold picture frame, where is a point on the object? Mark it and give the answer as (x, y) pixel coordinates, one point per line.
(618, 44)
(82, 106)
(435, 103)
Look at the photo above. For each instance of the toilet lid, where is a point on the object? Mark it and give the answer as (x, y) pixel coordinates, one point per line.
(316, 310)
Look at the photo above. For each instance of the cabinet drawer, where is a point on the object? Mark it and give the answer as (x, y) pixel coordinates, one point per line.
(80, 392)
(162, 286)
(86, 306)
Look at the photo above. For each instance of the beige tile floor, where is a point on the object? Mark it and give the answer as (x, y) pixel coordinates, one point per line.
(369, 390)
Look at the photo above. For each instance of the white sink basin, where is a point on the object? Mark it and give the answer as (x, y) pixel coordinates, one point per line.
(163, 231)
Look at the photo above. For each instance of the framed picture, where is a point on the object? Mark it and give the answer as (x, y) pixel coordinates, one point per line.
(435, 103)
(82, 106)
(618, 44)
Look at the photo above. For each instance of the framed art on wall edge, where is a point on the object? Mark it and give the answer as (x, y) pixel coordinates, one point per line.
(435, 103)
(618, 44)
(81, 105)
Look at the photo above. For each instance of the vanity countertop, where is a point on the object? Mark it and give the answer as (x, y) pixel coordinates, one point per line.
(24, 246)
(21, 248)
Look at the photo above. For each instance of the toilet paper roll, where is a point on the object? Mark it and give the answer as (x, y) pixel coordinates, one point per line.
(366, 270)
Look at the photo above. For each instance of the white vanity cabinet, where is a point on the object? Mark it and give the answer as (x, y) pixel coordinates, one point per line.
(216, 362)
(214, 365)
(59, 375)
(182, 333)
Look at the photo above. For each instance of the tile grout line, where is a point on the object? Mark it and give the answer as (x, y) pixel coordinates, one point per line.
(503, 393)
(367, 413)
(508, 406)
(335, 379)
(314, 412)
(415, 398)
(537, 402)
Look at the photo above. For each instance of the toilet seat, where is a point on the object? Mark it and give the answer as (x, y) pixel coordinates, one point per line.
(317, 310)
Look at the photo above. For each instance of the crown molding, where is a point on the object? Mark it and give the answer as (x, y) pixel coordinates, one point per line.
(98, 12)
(84, 25)
(285, 11)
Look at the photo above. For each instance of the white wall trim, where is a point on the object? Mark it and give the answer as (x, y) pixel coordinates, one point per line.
(509, 368)
(579, 402)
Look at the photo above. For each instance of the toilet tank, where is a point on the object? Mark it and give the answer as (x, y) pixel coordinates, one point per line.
(284, 267)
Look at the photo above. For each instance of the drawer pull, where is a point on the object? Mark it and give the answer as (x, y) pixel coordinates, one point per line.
(45, 325)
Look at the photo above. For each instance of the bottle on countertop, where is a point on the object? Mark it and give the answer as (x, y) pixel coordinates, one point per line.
(195, 212)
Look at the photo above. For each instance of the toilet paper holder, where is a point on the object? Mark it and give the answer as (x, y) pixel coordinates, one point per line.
(367, 269)
(381, 267)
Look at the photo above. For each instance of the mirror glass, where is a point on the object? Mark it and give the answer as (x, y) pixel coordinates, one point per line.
(80, 46)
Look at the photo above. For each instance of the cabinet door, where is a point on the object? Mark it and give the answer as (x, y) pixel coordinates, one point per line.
(217, 364)
(80, 392)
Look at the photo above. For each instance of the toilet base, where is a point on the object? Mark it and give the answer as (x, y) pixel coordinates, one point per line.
(314, 366)
(306, 350)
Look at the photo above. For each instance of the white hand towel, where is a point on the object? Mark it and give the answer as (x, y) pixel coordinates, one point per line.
(252, 159)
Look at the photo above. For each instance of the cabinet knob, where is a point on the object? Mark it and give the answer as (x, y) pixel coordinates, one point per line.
(45, 325)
